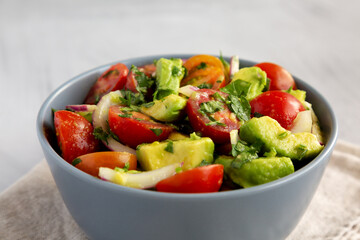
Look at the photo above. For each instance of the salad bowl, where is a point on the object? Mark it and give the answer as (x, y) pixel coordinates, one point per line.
(108, 211)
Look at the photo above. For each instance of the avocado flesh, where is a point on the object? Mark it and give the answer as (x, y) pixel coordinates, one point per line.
(168, 109)
(257, 171)
(255, 76)
(169, 73)
(296, 146)
(187, 151)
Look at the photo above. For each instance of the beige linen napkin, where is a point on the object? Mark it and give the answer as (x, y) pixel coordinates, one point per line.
(33, 209)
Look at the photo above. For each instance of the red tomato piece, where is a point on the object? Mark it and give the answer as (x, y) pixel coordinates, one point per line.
(111, 80)
(74, 134)
(227, 121)
(134, 128)
(280, 78)
(91, 162)
(279, 105)
(204, 179)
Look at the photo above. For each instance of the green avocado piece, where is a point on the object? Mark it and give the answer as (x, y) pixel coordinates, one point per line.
(168, 109)
(169, 73)
(257, 171)
(299, 94)
(255, 76)
(191, 152)
(296, 146)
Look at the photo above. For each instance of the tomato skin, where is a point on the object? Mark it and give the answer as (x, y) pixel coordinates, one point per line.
(219, 134)
(279, 105)
(131, 82)
(213, 71)
(91, 162)
(132, 131)
(111, 80)
(204, 179)
(280, 78)
(74, 135)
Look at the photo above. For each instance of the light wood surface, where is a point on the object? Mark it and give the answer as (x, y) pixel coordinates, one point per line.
(45, 43)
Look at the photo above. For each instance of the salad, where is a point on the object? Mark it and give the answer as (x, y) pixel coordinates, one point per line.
(192, 125)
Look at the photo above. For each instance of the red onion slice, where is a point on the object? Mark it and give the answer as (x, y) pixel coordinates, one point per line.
(188, 90)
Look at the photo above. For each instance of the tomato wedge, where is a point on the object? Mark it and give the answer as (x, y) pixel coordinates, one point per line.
(90, 163)
(134, 128)
(204, 179)
(279, 105)
(204, 69)
(216, 125)
(280, 78)
(111, 80)
(74, 135)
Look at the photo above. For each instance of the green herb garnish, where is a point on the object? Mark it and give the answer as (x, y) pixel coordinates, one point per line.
(283, 135)
(170, 147)
(157, 131)
(76, 161)
(202, 65)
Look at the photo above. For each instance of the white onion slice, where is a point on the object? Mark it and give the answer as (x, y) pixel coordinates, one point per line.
(234, 136)
(100, 117)
(302, 122)
(188, 90)
(234, 65)
(140, 180)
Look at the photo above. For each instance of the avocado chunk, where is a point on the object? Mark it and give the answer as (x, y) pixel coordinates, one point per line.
(187, 151)
(168, 109)
(169, 73)
(253, 75)
(299, 94)
(296, 146)
(257, 171)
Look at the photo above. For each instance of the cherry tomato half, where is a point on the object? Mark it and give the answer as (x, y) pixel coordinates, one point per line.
(134, 128)
(112, 79)
(74, 134)
(90, 163)
(280, 78)
(215, 125)
(204, 69)
(279, 105)
(204, 179)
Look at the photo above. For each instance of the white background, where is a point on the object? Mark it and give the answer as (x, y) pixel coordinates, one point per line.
(45, 43)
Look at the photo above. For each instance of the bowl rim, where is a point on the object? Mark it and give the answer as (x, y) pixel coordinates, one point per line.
(328, 148)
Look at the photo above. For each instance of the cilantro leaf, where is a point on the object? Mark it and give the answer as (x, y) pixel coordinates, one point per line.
(205, 85)
(131, 99)
(143, 82)
(76, 161)
(211, 107)
(237, 88)
(244, 153)
(100, 134)
(157, 131)
(170, 147)
(202, 65)
(240, 106)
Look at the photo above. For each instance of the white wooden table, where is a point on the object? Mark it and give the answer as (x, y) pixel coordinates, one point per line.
(45, 43)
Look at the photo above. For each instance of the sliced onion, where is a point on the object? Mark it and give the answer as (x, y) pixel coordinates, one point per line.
(234, 65)
(82, 108)
(302, 122)
(188, 90)
(138, 180)
(100, 117)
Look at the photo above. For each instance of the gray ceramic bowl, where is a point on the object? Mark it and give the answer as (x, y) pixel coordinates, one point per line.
(108, 211)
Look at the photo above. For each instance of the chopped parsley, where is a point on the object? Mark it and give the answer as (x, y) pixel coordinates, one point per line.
(240, 106)
(76, 161)
(258, 115)
(170, 147)
(175, 71)
(283, 135)
(302, 149)
(125, 115)
(244, 153)
(202, 65)
(132, 99)
(205, 85)
(157, 131)
(211, 107)
(143, 82)
(102, 135)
